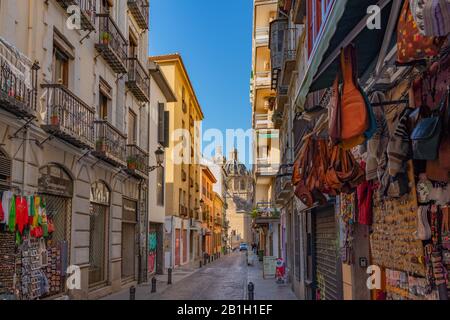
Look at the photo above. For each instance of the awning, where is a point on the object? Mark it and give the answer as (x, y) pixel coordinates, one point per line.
(347, 24)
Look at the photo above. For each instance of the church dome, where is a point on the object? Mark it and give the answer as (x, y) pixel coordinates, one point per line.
(233, 167)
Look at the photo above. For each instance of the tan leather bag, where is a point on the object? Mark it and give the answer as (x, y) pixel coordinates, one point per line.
(354, 116)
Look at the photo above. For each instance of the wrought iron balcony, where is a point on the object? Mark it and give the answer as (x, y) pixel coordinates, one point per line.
(283, 184)
(87, 9)
(263, 121)
(137, 161)
(17, 94)
(139, 10)
(183, 211)
(138, 80)
(112, 45)
(110, 144)
(265, 213)
(68, 117)
(276, 44)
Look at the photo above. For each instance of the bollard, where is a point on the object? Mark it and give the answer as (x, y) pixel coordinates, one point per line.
(200, 263)
(251, 291)
(133, 293)
(209, 259)
(153, 285)
(169, 276)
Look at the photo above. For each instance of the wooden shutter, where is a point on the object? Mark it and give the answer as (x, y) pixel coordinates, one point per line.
(166, 128)
(161, 123)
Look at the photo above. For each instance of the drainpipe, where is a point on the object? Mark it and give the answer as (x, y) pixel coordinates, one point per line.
(31, 13)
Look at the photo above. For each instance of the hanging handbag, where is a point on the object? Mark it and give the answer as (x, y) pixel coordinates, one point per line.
(427, 134)
(412, 46)
(354, 117)
(301, 190)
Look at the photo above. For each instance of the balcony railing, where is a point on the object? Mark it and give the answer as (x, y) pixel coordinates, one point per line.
(262, 79)
(265, 167)
(137, 161)
(87, 10)
(138, 80)
(112, 45)
(139, 10)
(263, 121)
(183, 211)
(68, 117)
(17, 92)
(261, 36)
(265, 212)
(110, 144)
(283, 184)
(277, 30)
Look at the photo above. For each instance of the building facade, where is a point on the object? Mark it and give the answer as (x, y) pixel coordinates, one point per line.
(208, 209)
(266, 152)
(183, 219)
(160, 95)
(239, 201)
(74, 127)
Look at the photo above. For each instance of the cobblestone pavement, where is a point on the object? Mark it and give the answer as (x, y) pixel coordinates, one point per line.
(222, 279)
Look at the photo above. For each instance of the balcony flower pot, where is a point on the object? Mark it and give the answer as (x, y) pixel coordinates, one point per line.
(54, 120)
(131, 163)
(100, 146)
(106, 37)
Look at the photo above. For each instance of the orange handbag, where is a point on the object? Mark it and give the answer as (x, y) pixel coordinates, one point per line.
(354, 116)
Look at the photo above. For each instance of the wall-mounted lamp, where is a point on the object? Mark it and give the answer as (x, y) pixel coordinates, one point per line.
(159, 155)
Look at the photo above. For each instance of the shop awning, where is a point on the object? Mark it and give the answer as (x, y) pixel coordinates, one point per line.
(347, 24)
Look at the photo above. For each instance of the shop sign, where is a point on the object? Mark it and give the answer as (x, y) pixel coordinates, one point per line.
(269, 267)
(55, 186)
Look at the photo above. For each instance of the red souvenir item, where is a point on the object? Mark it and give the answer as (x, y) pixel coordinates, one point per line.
(412, 45)
(2, 213)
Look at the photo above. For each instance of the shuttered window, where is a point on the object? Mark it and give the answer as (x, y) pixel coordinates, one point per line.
(5, 171)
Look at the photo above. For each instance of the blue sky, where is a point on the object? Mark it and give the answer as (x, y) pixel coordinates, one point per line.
(215, 41)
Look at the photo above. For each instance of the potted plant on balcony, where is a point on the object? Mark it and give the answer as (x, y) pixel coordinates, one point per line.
(54, 117)
(105, 37)
(132, 162)
(100, 145)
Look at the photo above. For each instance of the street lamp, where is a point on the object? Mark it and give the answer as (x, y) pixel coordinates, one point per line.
(159, 155)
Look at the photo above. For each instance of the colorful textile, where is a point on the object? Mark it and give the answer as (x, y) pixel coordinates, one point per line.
(12, 215)
(365, 193)
(6, 204)
(2, 213)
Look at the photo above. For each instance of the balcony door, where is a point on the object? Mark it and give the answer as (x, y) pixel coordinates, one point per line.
(132, 127)
(61, 67)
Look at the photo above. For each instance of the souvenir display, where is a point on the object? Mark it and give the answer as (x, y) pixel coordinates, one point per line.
(25, 232)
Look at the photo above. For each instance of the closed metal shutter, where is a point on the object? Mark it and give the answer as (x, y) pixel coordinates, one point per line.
(328, 270)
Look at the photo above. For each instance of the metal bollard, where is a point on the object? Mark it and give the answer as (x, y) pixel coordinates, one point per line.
(133, 293)
(209, 259)
(200, 263)
(251, 291)
(169, 276)
(153, 285)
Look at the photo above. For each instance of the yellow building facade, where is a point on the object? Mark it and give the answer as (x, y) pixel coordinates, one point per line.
(219, 207)
(208, 180)
(183, 229)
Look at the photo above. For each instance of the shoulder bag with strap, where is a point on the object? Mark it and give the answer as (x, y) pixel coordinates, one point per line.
(354, 117)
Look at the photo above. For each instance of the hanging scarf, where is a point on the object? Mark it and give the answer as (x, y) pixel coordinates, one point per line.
(21, 213)
(2, 213)
(37, 204)
(12, 215)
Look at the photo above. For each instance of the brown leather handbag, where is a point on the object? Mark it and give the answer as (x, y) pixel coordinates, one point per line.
(354, 116)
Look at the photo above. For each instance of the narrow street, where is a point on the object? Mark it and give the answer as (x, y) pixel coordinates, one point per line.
(224, 279)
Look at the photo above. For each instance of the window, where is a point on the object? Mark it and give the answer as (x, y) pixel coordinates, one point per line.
(104, 99)
(160, 186)
(163, 125)
(133, 50)
(106, 5)
(243, 186)
(132, 127)
(61, 71)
